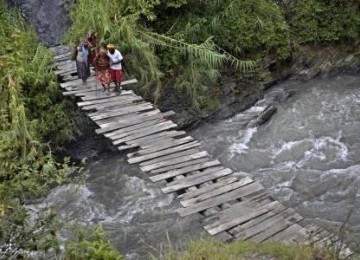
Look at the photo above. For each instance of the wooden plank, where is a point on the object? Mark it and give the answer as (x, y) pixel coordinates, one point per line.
(126, 119)
(215, 192)
(75, 83)
(101, 96)
(197, 174)
(60, 64)
(157, 125)
(196, 181)
(184, 170)
(177, 166)
(92, 89)
(114, 110)
(241, 208)
(166, 126)
(106, 100)
(212, 186)
(127, 147)
(118, 103)
(62, 57)
(174, 161)
(91, 83)
(131, 129)
(295, 234)
(155, 141)
(277, 227)
(233, 195)
(168, 157)
(66, 70)
(249, 232)
(180, 165)
(277, 210)
(167, 134)
(65, 66)
(236, 215)
(162, 145)
(122, 111)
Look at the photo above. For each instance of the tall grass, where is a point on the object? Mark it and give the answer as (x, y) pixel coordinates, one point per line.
(215, 250)
(32, 120)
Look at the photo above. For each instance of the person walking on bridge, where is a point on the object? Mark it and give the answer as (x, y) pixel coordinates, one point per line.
(115, 66)
(82, 66)
(102, 69)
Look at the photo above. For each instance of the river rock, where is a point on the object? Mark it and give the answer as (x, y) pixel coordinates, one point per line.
(263, 117)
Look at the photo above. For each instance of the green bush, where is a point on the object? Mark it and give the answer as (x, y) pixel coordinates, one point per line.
(323, 21)
(252, 28)
(91, 244)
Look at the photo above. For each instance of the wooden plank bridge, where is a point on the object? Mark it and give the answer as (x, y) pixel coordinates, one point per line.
(233, 208)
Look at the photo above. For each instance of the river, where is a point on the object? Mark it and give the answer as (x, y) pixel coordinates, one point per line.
(307, 156)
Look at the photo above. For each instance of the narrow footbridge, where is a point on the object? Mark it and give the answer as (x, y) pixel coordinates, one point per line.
(233, 208)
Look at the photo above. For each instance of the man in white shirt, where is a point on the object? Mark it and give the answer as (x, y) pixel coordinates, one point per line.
(115, 66)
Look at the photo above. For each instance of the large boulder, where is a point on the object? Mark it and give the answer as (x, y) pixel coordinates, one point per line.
(50, 17)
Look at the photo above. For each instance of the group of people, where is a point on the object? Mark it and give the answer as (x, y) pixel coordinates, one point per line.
(104, 58)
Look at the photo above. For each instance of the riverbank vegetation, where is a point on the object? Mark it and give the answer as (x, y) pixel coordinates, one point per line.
(188, 44)
(215, 250)
(35, 122)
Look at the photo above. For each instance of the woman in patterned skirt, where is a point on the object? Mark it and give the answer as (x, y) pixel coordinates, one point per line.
(102, 69)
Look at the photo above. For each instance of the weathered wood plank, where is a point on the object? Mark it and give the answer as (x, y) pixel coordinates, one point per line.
(66, 70)
(127, 147)
(212, 186)
(184, 170)
(195, 181)
(237, 214)
(162, 153)
(275, 211)
(262, 226)
(65, 54)
(99, 95)
(107, 100)
(122, 111)
(295, 234)
(63, 63)
(198, 174)
(76, 83)
(215, 192)
(162, 145)
(156, 125)
(159, 128)
(166, 134)
(114, 110)
(169, 157)
(240, 208)
(119, 103)
(126, 119)
(174, 161)
(149, 134)
(122, 132)
(92, 89)
(179, 165)
(233, 195)
(277, 226)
